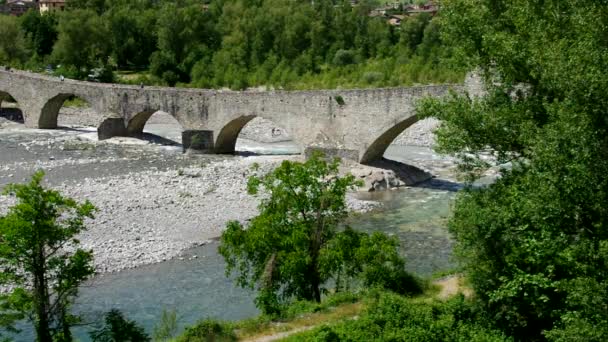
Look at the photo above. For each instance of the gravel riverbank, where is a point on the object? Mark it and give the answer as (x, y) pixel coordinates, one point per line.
(153, 202)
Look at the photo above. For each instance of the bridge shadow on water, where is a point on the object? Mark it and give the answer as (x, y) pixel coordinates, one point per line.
(440, 184)
(416, 177)
(158, 140)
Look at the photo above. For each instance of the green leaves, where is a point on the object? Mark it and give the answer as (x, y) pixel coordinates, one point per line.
(36, 236)
(296, 245)
(528, 238)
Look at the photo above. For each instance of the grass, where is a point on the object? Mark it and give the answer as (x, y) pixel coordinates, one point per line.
(302, 320)
(253, 330)
(76, 102)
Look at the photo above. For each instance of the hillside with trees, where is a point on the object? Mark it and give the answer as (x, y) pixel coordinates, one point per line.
(230, 43)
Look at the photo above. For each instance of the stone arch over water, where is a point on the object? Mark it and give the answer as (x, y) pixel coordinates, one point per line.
(156, 126)
(376, 149)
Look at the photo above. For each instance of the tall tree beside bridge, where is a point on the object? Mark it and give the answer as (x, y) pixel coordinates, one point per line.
(535, 243)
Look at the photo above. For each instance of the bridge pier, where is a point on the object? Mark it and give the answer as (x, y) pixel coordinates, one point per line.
(112, 127)
(198, 141)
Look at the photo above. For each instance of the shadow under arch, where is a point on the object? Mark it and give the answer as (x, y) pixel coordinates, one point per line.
(376, 150)
(50, 110)
(168, 136)
(14, 113)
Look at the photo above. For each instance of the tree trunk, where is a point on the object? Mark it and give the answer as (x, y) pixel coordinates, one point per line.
(41, 299)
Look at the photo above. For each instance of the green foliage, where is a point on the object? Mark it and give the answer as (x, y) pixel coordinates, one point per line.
(13, 49)
(534, 242)
(167, 327)
(82, 41)
(119, 329)
(40, 31)
(390, 317)
(294, 246)
(40, 258)
(284, 249)
(238, 44)
(208, 331)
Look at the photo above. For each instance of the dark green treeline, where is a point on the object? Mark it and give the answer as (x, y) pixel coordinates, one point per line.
(230, 43)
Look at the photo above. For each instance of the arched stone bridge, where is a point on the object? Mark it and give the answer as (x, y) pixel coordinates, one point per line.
(354, 124)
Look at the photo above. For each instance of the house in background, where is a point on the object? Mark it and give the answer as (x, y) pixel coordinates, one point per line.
(51, 5)
(18, 7)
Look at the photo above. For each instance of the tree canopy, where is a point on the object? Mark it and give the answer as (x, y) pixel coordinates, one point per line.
(235, 43)
(40, 259)
(534, 243)
(296, 244)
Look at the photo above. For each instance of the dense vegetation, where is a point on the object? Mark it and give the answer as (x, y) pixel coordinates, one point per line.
(230, 43)
(296, 245)
(535, 243)
(41, 261)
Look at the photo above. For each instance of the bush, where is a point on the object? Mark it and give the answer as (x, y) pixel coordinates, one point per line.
(391, 317)
(372, 77)
(119, 329)
(344, 57)
(206, 331)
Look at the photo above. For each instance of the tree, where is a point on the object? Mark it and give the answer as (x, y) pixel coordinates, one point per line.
(295, 245)
(12, 42)
(40, 258)
(82, 42)
(40, 31)
(534, 243)
(119, 329)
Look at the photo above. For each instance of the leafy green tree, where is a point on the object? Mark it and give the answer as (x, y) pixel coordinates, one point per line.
(95, 5)
(13, 49)
(184, 36)
(82, 42)
(40, 31)
(40, 258)
(295, 245)
(119, 329)
(133, 35)
(534, 242)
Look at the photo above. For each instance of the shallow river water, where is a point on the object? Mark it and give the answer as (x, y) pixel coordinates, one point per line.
(195, 284)
(198, 288)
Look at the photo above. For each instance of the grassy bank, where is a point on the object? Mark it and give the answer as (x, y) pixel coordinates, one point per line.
(442, 312)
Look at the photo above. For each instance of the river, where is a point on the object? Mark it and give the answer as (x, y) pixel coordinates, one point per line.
(197, 287)
(195, 284)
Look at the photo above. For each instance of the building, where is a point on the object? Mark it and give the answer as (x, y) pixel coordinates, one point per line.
(51, 5)
(18, 7)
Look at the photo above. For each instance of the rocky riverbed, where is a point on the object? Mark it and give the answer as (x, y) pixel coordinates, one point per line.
(153, 201)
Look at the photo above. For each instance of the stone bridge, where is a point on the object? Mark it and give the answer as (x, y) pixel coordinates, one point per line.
(354, 124)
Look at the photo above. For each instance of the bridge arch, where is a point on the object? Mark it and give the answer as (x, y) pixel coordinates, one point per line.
(376, 149)
(226, 138)
(13, 114)
(50, 110)
(136, 124)
(258, 134)
(156, 126)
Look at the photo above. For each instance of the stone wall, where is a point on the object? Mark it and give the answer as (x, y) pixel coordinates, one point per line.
(365, 121)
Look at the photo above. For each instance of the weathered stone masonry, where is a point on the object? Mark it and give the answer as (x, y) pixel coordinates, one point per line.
(357, 124)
